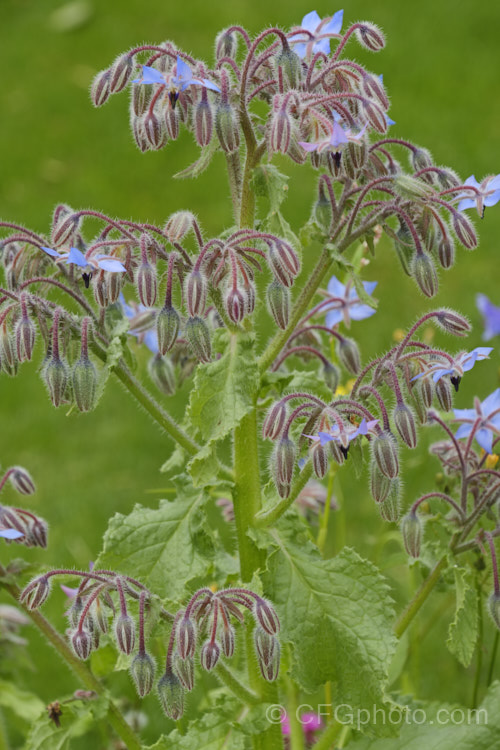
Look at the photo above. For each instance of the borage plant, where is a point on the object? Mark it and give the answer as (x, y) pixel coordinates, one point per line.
(262, 605)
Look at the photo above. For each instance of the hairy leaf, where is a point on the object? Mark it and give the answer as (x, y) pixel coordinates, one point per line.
(25, 705)
(463, 631)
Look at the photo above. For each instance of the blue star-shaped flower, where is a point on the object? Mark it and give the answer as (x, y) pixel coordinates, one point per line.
(321, 31)
(95, 262)
(176, 82)
(484, 419)
(347, 306)
(486, 193)
(464, 362)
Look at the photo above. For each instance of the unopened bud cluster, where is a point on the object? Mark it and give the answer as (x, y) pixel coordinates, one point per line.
(17, 524)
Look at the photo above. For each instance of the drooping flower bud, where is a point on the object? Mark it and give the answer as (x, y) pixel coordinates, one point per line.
(284, 461)
(265, 616)
(411, 529)
(235, 305)
(228, 641)
(36, 593)
(100, 89)
(291, 66)
(278, 300)
(319, 456)
(121, 70)
(147, 284)
(370, 36)
(198, 335)
(268, 654)
(322, 209)
(453, 322)
(196, 293)
(348, 354)
(84, 379)
(464, 229)
(167, 328)
(171, 695)
(424, 272)
(274, 421)
(184, 669)
(125, 633)
(25, 333)
(390, 508)
(226, 127)
(81, 641)
(203, 120)
(38, 533)
(56, 375)
(331, 375)
(380, 484)
(65, 226)
(385, 453)
(405, 424)
(21, 480)
(186, 638)
(142, 670)
(162, 373)
(178, 225)
(226, 44)
(154, 130)
(494, 608)
(446, 251)
(444, 394)
(209, 655)
(280, 130)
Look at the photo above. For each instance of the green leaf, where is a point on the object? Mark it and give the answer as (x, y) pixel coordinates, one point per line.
(444, 730)
(25, 705)
(224, 390)
(268, 182)
(199, 166)
(463, 631)
(165, 548)
(213, 731)
(203, 467)
(76, 720)
(337, 615)
(175, 462)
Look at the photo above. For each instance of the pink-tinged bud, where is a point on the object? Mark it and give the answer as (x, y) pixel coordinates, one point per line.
(287, 258)
(284, 461)
(38, 533)
(464, 229)
(140, 97)
(84, 379)
(337, 455)
(348, 354)
(250, 297)
(265, 616)
(100, 89)
(171, 695)
(412, 188)
(172, 121)
(162, 373)
(21, 480)
(411, 529)
(319, 460)
(331, 376)
(283, 489)
(209, 655)
(235, 305)
(186, 638)
(64, 229)
(379, 483)
(390, 507)
(375, 116)
(56, 376)
(36, 593)
(203, 121)
(125, 633)
(142, 671)
(424, 272)
(421, 158)
(226, 44)
(146, 284)
(7, 350)
(81, 641)
(278, 301)
(370, 36)
(196, 293)
(424, 388)
(453, 322)
(291, 67)
(100, 290)
(227, 128)
(113, 286)
(385, 453)
(121, 70)
(139, 134)
(198, 335)
(446, 251)
(25, 334)
(444, 394)
(274, 421)
(167, 328)
(227, 641)
(178, 225)
(280, 131)
(494, 608)
(358, 154)
(153, 130)
(373, 87)
(405, 424)
(100, 616)
(268, 654)
(184, 669)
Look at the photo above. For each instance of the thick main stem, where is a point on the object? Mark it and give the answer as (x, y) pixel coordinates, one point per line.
(416, 603)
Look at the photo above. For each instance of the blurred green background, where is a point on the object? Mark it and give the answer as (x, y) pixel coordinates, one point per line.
(440, 68)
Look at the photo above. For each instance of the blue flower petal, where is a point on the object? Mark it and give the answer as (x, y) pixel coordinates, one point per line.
(183, 72)
(485, 439)
(370, 286)
(209, 85)
(325, 437)
(361, 311)
(77, 258)
(463, 431)
(438, 374)
(300, 49)
(52, 253)
(335, 24)
(466, 203)
(491, 403)
(322, 45)
(150, 75)
(333, 318)
(311, 21)
(11, 533)
(491, 200)
(336, 288)
(112, 265)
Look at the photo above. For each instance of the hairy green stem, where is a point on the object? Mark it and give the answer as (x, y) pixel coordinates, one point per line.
(327, 738)
(114, 716)
(271, 516)
(244, 694)
(423, 592)
(234, 178)
(479, 647)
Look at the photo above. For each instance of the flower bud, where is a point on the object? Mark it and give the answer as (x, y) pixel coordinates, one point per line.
(125, 633)
(283, 489)
(84, 378)
(100, 290)
(331, 376)
(280, 131)
(203, 121)
(113, 286)
(405, 424)
(25, 333)
(172, 123)
(140, 97)
(167, 328)
(38, 533)
(265, 616)
(380, 484)
(358, 154)
(444, 394)
(370, 36)
(250, 297)
(142, 670)
(146, 284)
(226, 44)
(100, 89)
(196, 293)
(139, 134)
(184, 669)
(411, 529)
(171, 695)
(228, 641)
(81, 641)
(348, 354)
(153, 130)
(446, 251)
(412, 187)
(235, 305)
(56, 375)
(319, 460)
(494, 608)
(21, 480)
(178, 225)
(36, 593)
(453, 322)
(7, 350)
(278, 301)
(186, 638)
(274, 421)
(198, 335)
(390, 508)
(291, 66)
(322, 210)
(464, 229)
(120, 73)
(162, 373)
(284, 461)
(424, 390)
(209, 655)
(424, 273)
(385, 453)
(268, 653)
(338, 455)
(227, 128)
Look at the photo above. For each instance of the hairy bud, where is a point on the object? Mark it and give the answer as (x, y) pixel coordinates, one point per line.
(172, 121)
(331, 375)
(278, 301)
(446, 251)
(81, 641)
(25, 334)
(348, 354)
(235, 305)
(162, 373)
(100, 89)
(171, 695)
(280, 131)
(36, 593)
(38, 533)
(121, 70)
(196, 293)
(203, 121)
(268, 653)
(319, 460)
(227, 641)
(147, 284)
(142, 670)
(226, 44)
(65, 227)
(444, 394)
(184, 669)
(125, 633)
(494, 608)
(390, 508)
(322, 210)
(153, 130)
(265, 616)
(411, 529)
(284, 461)
(56, 377)
(274, 421)
(21, 480)
(84, 379)
(167, 328)
(385, 453)
(405, 424)
(186, 638)
(453, 322)
(198, 335)
(370, 36)
(178, 225)
(226, 127)
(424, 273)
(380, 484)
(464, 229)
(209, 655)
(291, 66)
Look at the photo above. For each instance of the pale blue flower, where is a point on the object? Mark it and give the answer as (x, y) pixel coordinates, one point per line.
(141, 325)
(347, 306)
(464, 362)
(486, 417)
(11, 533)
(95, 262)
(321, 31)
(344, 436)
(337, 137)
(487, 193)
(176, 82)
(491, 316)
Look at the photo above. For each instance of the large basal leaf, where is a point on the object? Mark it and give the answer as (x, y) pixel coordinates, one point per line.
(338, 616)
(164, 547)
(445, 728)
(463, 631)
(211, 732)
